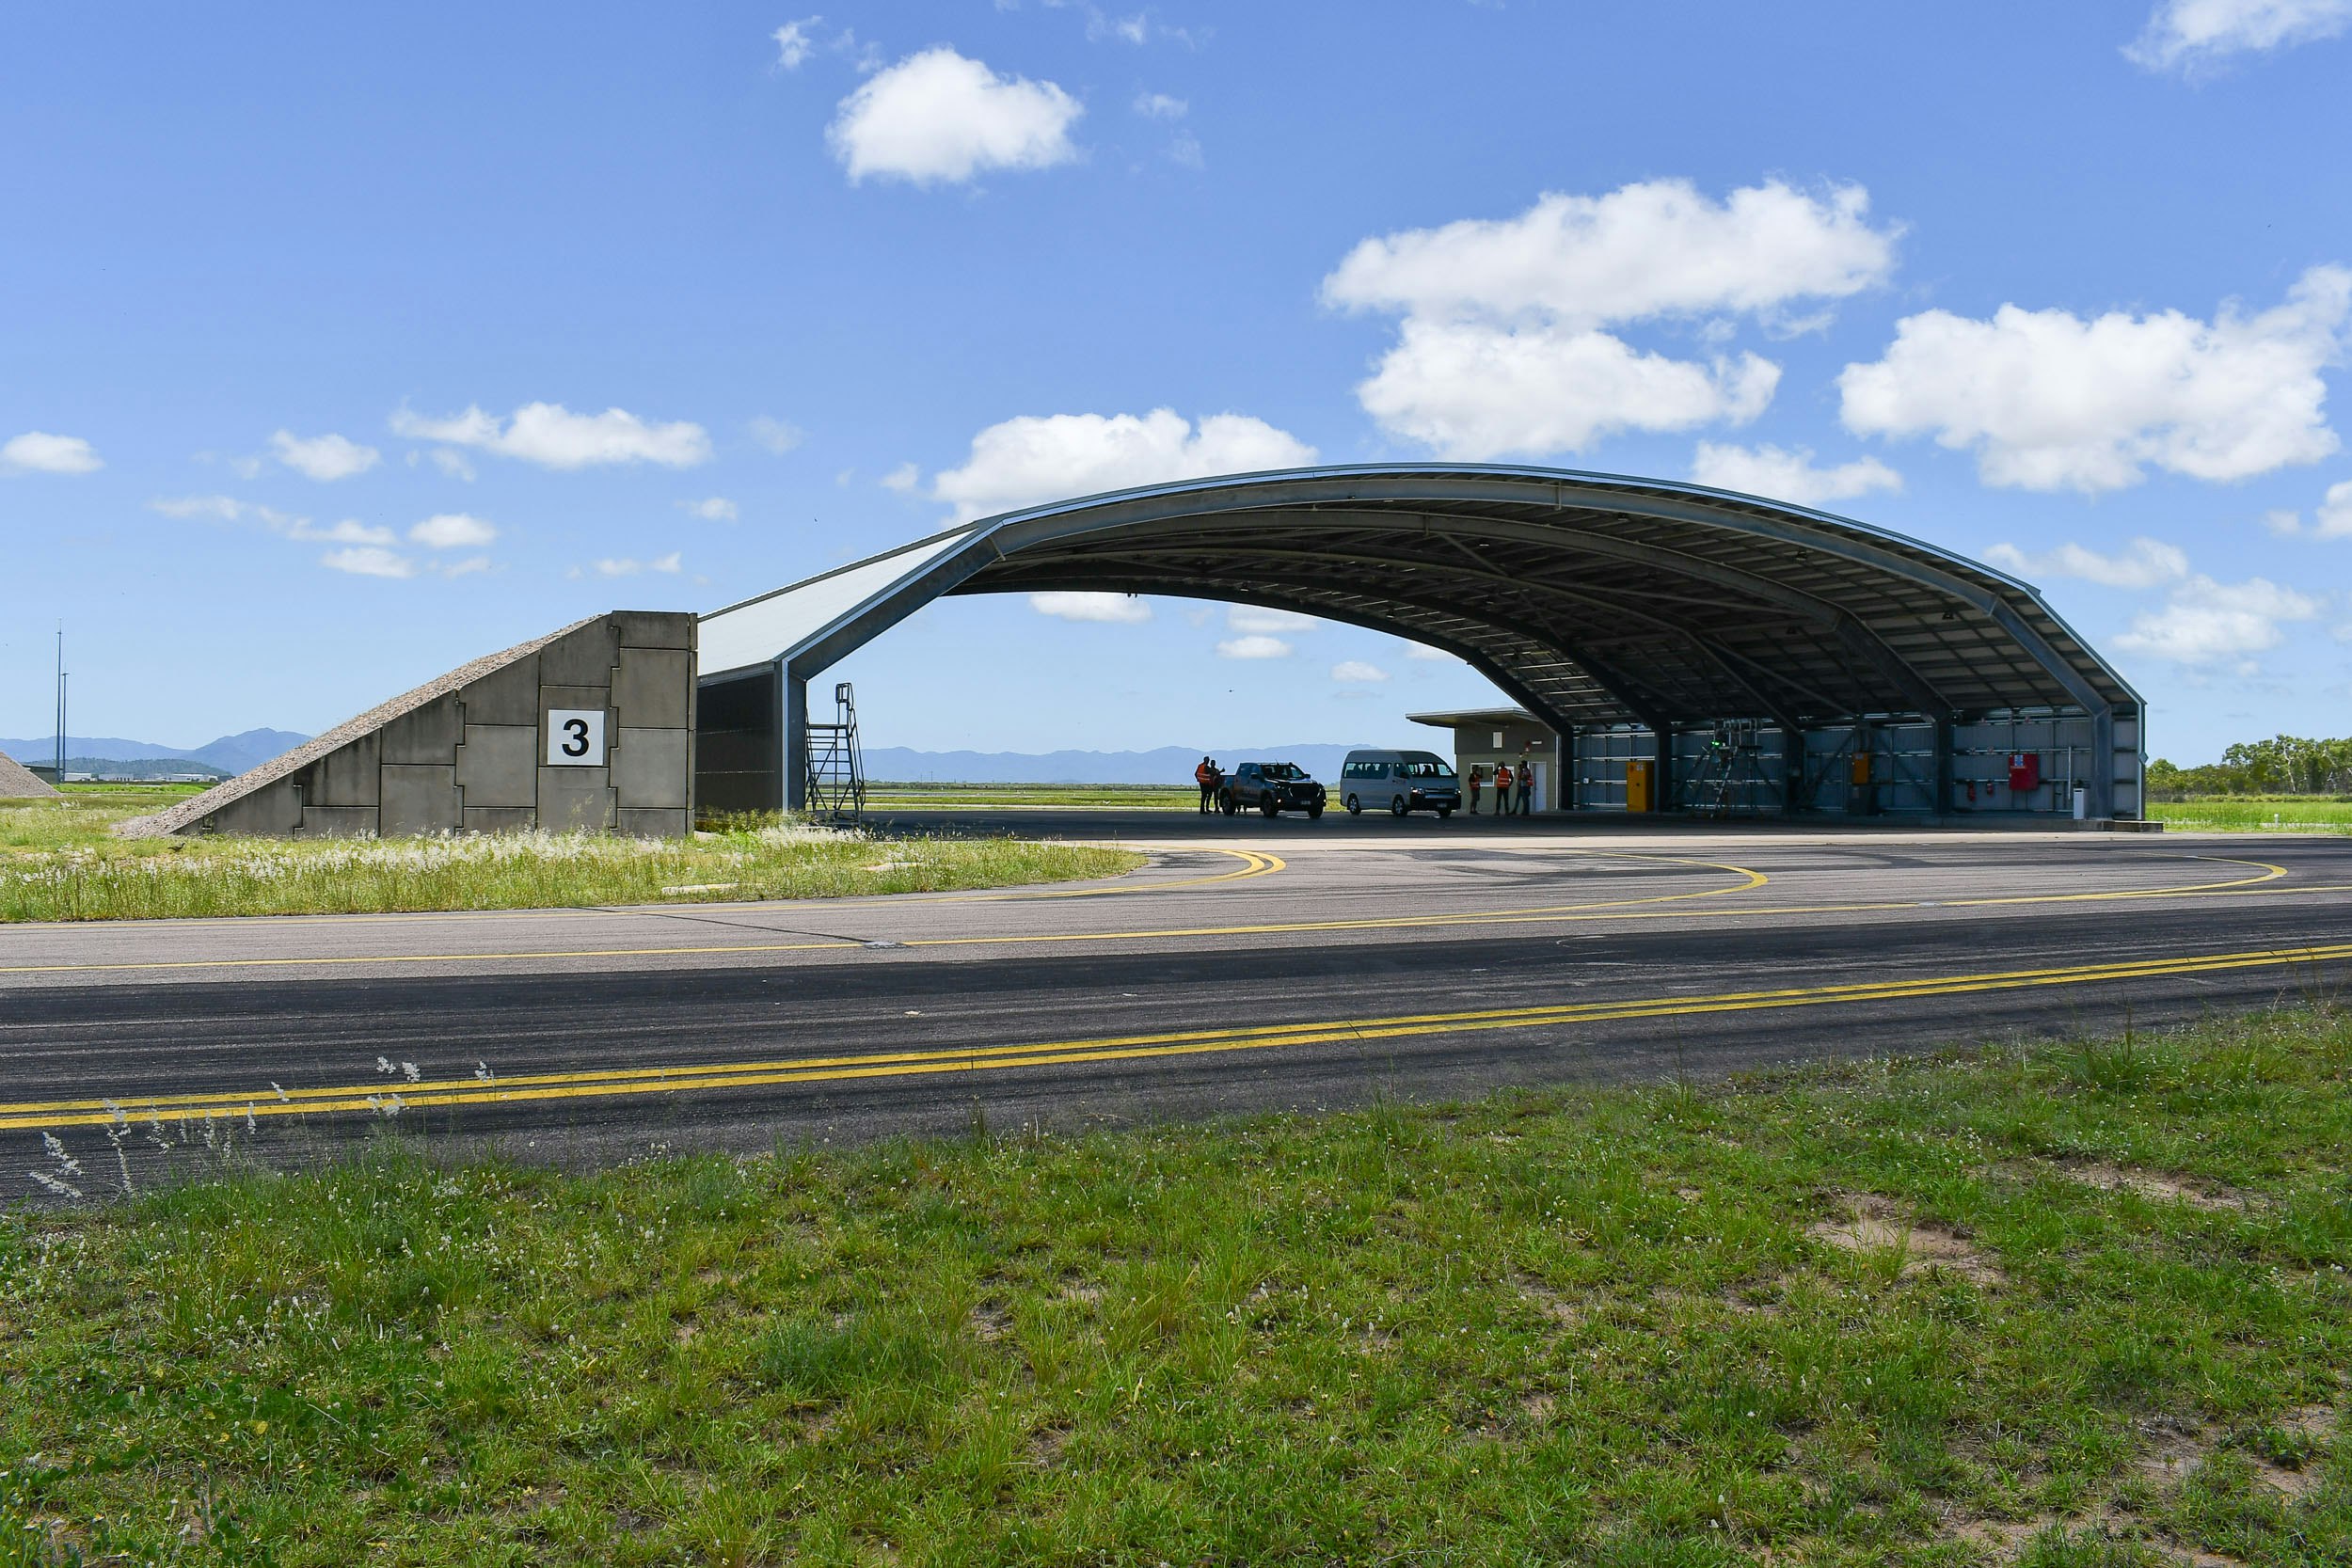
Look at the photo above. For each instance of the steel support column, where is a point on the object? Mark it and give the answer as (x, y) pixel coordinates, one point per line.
(1941, 805)
(795, 688)
(2101, 803)
(1792, 798)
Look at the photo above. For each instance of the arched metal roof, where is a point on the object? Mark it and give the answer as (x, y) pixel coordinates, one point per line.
(1589, 598)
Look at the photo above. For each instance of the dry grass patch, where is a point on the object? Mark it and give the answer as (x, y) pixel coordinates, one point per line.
(2158, 1187)
(1877, 1227)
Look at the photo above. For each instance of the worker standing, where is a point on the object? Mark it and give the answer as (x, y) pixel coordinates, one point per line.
(1208, 776)
(1525, 783)
(1477, 778)
(1503, 790)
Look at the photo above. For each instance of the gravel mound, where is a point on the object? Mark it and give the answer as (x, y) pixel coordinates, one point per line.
(19, 782)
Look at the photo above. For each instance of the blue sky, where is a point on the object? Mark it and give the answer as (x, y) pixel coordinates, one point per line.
(337, 347)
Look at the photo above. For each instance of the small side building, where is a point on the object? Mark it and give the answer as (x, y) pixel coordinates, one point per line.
(1487, 736)
(590, 727)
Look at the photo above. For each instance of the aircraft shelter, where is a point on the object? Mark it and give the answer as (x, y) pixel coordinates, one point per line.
(1715, 652)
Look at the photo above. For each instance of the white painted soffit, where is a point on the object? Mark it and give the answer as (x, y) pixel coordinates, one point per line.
(758, 631)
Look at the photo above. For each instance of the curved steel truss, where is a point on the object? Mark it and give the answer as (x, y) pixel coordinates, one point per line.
(1590, 599)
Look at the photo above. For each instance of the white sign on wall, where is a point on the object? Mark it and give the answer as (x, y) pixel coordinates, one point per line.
(575, 738)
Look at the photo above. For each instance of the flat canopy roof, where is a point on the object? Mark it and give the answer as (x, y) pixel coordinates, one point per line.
(1587, 598)
(1475, 716)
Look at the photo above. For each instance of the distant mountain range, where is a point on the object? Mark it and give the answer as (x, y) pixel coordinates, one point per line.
(1165, 765)
(230, 753)
(1168, 765)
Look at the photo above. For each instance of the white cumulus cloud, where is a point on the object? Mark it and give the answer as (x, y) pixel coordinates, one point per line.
(1429, 655)
(1254, 646)
(2144, 564)
(939, 117)
(712, 509)
(2333, 520)
(1790, 476)
(1251, 617)
(1355, 672)
(227, 508)
(794, 43)
(37, 451)
(1159, 106)
(1504, 347)
(2048, 400)
(2206, 622)
(629, 566)
(1032, 459)
(1112, 609)
(349, 531)
(1475, 391)
(453, 531)
(904, 478)
(2335, 513)
(369, 560)
(324, 457)
(553, 437)
(1654, 248)
(2188, 35)
(777, 436)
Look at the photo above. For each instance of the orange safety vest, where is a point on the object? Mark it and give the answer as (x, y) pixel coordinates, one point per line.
(1502, 777)
(1204, 774)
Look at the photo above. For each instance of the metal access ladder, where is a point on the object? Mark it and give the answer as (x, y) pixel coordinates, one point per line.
(836, 768)
(1730, 777)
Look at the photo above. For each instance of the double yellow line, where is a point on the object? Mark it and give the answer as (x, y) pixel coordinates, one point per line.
(1748, 882)
(377, 1098)
(1254, 864)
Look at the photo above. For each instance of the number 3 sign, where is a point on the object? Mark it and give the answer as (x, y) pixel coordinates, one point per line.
(576, 738)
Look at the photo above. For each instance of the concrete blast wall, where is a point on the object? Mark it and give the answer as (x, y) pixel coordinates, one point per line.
(591, 727)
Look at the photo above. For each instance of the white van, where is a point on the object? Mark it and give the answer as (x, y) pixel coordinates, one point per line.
(1403, 782)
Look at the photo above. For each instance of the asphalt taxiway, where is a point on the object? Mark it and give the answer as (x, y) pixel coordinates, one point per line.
(1252, 965)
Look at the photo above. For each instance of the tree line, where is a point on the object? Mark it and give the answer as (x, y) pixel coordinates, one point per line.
(2283, 765)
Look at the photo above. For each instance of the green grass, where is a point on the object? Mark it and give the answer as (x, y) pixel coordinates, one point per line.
(59, 862)
(2287, 814)
(1603, 1328)
(909, 797)
(80, 817)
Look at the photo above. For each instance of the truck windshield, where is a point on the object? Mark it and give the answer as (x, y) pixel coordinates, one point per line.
(1282, 771)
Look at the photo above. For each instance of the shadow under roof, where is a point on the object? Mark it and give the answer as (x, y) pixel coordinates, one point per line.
(1587, 598)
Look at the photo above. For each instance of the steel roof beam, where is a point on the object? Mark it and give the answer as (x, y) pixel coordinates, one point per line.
(1548, 535)
(1725, 660)
(1636, 698)
(1409, 485)
(1481, 659)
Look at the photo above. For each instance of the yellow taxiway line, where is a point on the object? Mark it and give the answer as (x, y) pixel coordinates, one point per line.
(1749, 881)
(394, 1095)
(1257, 864)
(1621, 909)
